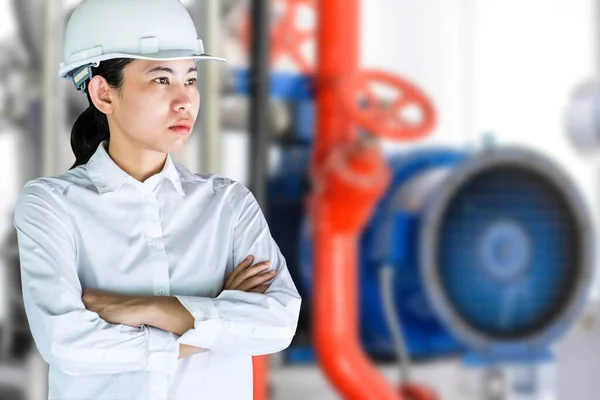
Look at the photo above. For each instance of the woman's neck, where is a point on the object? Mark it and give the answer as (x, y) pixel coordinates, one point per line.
(140, 163)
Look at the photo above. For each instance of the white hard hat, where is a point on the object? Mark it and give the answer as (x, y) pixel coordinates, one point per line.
(100, 30)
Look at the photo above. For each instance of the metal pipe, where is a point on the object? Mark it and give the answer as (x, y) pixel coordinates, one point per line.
(467, 49)
(386, 285)
(29, 13)
(235, 109)
(596, 25)
(51, 117)
(49, 65)
(211, 90)
(259, 97)
(259, 139)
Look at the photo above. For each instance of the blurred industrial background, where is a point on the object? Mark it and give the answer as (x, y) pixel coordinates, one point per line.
(471, 272)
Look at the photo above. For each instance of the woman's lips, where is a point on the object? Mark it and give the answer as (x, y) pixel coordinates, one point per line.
(180, 128)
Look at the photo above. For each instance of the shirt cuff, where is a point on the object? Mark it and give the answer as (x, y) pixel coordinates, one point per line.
(206, 321)
(163, 351)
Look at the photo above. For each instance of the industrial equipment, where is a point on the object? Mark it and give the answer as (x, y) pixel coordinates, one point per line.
(491, 253)
(485, 255)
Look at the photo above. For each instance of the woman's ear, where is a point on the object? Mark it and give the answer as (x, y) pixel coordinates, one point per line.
(100, 93)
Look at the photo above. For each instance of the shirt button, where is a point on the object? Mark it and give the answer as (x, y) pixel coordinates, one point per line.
(161, 291)
(154, 242)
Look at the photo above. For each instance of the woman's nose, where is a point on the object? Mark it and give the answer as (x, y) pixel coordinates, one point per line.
(183, 101)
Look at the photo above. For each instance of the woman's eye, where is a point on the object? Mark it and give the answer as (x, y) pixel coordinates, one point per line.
(161, 80)
(191, 81)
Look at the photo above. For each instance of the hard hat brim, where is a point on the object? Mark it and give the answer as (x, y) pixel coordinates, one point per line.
(65, 71)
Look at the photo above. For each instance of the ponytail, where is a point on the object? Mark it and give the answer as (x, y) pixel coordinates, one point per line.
(91, 128)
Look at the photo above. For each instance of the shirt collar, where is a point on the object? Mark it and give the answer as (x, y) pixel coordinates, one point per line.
(109, 177)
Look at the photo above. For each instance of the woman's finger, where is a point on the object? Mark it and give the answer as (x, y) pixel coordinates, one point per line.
(256, 281)
(249, 273)
(246, 262)
(260, 289)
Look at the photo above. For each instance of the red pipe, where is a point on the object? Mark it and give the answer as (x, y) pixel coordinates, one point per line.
(342, 359)
(260, 366)
(337, 53)
(345, 195)
(339, 209)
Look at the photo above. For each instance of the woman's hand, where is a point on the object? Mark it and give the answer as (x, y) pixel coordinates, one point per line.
(115, 308)
(136, 310)
(250, 278)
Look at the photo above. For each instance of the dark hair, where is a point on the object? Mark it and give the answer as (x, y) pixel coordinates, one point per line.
(91, 128)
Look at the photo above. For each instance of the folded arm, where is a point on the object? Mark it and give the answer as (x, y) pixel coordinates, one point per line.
(68, 335)
(168, 313)
(238, 322)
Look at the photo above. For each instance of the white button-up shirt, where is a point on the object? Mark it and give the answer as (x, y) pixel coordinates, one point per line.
(176, 234)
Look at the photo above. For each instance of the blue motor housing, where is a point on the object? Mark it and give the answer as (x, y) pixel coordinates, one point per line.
(282, 85)
(492, 254)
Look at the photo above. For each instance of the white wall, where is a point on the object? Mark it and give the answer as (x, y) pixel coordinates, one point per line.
(422, 42)
(506, 67)
(7, 23)
(529, 56)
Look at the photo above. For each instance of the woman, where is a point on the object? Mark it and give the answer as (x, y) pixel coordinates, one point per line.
(135, 274)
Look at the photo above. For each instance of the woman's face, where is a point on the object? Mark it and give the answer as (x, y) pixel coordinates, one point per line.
(157, 106)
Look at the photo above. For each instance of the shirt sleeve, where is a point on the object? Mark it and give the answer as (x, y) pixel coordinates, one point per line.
(68, 336)
(242, 323)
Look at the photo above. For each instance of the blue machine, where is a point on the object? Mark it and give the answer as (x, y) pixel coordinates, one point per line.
(492, 252)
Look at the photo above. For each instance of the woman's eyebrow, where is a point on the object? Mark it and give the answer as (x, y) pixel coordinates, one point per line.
(169, 70)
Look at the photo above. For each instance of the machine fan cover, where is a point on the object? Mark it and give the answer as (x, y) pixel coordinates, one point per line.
(506, 251)
(492, 252)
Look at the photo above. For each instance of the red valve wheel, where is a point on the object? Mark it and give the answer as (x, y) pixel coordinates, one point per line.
(411, 391)
(287, 39)
(389, 121)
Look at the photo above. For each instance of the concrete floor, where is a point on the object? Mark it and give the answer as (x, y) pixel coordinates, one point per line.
(449, 378)
(307, 382)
